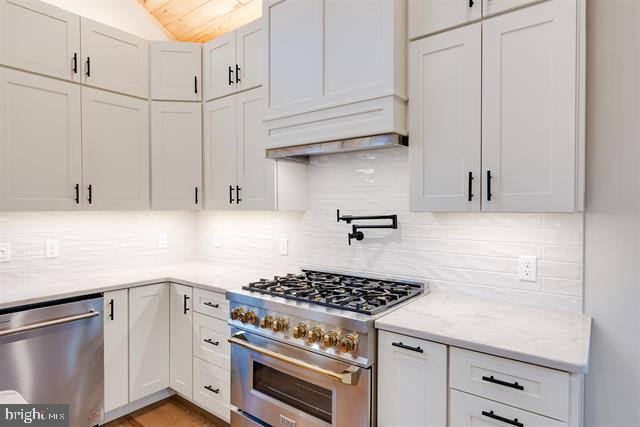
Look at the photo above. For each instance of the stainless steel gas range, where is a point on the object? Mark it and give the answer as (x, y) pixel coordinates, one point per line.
(303, 348)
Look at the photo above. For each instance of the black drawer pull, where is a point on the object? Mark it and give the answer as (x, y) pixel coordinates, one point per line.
(513, 422)
(238, 199)
(489, 195)
(212, 390)
(470, 186)
(184, 302)
(407, 347)
(230, 76)
(212, 342)
(491, 379)
(88, 66)
(196, 195)
(470, 3)
(111, 310)
(210, 304)
(195, 84)
(90, 199)
(231, 200)
(77, 199)
(237, 74)
(75, 63)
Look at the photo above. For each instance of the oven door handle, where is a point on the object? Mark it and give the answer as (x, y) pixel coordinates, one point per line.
(349, 376)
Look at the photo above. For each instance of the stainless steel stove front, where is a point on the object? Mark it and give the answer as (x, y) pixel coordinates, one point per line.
(277, 384)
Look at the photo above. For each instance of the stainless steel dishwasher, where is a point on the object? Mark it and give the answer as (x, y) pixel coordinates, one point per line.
(53, 353)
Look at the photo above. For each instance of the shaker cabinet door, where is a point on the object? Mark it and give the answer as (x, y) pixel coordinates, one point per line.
(114, 60)
(219, 56)
(116, 349)
(40, 143)
(115, 150)
(444, 121)
(176, 155)
(175, 71)
(220, 154)
(529, 109)
(39, 37)
(250, 55)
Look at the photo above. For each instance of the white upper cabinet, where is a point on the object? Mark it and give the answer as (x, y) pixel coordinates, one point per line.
(491, 7)
(444, 118)
(529, 139)
(412, 387)
(116, 349)
(115, 150)
(38, 37)
(428, 16)
(40, 143)
(114, 60)
(175, 71)
(233, 61)
(181, 339)
(176, 155)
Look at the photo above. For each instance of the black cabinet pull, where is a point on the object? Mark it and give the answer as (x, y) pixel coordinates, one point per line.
(513, 422)
(237, 74)
(212, 305)
(88, 66)
(195, 84)
(184, 304)
(493, 380)
(196, 195)
(407, 347)
(238, 199)
(212, 342)
(231, 199)
(212, 390)
(470, 3)
(111, 309)
(77, 198)
(75, 63)
(90, 199)
(489, 195)
(470, 186)
(230, 76)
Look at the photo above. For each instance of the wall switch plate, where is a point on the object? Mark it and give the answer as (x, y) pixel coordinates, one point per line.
(527, 268)
(5, 252)
(162, 241)
(52, 249)
(284, 247)
(216, 240)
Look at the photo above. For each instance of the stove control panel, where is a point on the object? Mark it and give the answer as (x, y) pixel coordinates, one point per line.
(301, 332)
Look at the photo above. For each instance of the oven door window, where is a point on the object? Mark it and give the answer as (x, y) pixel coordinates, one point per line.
(300, 394)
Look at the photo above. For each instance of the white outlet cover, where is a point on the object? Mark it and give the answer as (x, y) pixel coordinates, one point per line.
(527, 268)
(162, 241)
(284, 247)
(216, 240)
(5, 252)
(52, 249)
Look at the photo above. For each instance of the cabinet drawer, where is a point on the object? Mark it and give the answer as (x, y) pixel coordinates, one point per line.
(530, 387)
(211, 388)
(210, 303)
(466, 410)
(210, 340)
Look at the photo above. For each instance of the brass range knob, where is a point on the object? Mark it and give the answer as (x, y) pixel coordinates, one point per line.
(315, 335)
(300, 330)
(250, 318)
(280, 325)
(237, 314)
(330, 339)
(266, 322)
(349, 344)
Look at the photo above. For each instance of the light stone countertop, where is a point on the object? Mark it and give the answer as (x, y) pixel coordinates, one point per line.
(64, 284)
(549, 338)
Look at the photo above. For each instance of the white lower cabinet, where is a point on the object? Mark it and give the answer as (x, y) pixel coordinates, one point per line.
(181, 337)
(148, 340)
(211, 388)
(412, 387)
(116, 349)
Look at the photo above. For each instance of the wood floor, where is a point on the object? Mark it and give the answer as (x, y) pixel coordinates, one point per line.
(171, 412)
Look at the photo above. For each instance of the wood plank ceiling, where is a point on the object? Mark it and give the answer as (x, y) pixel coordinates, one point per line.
(202, 20)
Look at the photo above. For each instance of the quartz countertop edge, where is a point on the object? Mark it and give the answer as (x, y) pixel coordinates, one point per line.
(548, 338)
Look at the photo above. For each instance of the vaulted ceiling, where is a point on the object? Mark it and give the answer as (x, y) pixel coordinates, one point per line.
(202, 20)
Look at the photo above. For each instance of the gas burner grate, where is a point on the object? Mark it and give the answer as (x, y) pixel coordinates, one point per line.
(353, 293)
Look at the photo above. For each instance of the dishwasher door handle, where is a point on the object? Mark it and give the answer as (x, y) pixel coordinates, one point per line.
(47, 323)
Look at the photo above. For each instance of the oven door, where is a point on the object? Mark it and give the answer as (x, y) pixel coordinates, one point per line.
(286, 386)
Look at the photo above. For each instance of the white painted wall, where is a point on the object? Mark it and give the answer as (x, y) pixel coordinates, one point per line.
(612, 246)
(127, 15)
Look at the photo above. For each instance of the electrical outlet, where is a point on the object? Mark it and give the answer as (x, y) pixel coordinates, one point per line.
(527, 268)
(216, 240)
(5, 252)
(52, 249)
(284, 247)
(162, 241)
